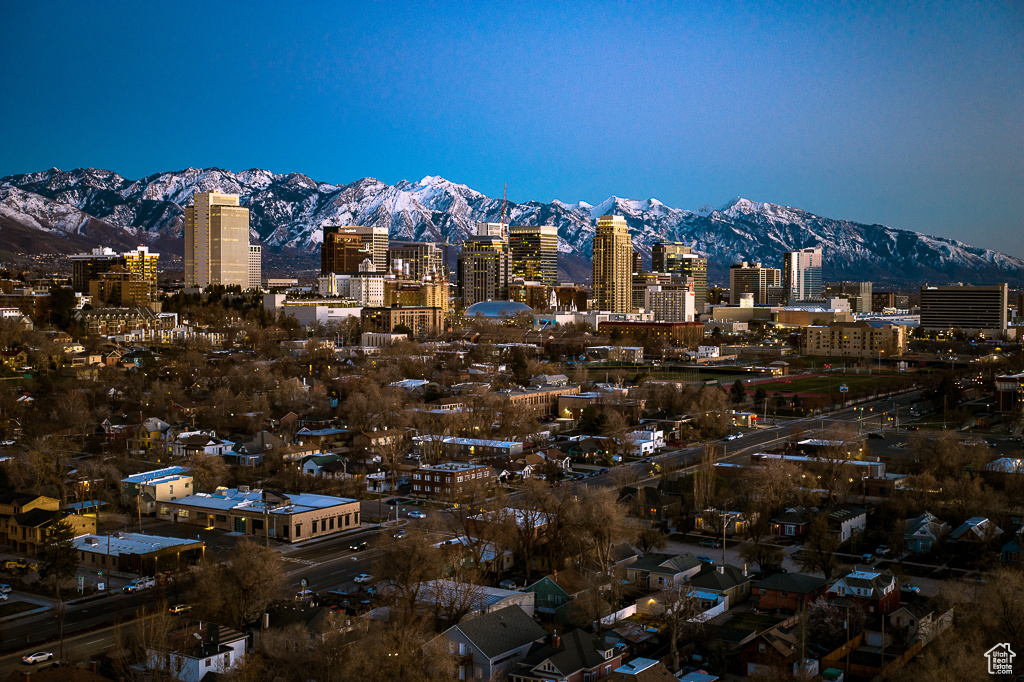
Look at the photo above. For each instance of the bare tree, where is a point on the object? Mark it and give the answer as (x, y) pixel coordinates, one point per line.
(682, 617)
(239, 590)
(820, 548)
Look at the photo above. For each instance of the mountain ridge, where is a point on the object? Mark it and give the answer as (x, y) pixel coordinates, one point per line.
(67, 209)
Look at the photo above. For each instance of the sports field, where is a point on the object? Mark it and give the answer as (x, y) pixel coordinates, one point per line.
(823, 385)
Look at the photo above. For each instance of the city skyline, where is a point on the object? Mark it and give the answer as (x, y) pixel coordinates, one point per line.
(900, 116)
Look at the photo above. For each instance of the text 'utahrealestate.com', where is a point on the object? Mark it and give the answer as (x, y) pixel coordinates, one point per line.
(331, 350)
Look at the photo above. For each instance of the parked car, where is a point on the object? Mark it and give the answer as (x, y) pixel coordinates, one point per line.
(913, 589)
(358, 546)
(875, 435)
(5, 588)
(417, 515)
(867, 558)
(37, 657)
(710, 543)
(5, 443)
(180, 608)
(507, 584)
(306, 595)
(706, 559)
(363, 578)
(400, 534)
(882, 550)
(4, 596)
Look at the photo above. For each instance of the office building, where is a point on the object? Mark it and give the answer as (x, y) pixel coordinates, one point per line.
(86, 267)
(216, 241)
(678, 259)
(859, 294)
(416, 260)
(969, 308)
(854, 340)
(670, 303)
(415, 293)
(676, 334)
(613, 265)
(120, 289)
(483, 270)
(375, 238)
(889, 300)
(421, 321)
(751, 278)
(343, 252)
(642, 280)
(638, 262)
(801, 275)
(534, 252)
(499, 230)
(255, 266)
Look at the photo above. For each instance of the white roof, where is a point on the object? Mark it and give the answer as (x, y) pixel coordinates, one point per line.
(127, 543)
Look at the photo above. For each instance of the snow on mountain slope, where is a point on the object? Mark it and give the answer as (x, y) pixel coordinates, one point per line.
(288, 211)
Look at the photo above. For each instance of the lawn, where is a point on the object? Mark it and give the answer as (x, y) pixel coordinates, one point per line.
(858, 385)
(10, 608)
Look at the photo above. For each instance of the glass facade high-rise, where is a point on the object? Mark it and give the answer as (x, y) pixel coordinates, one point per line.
(801, 275)
(418, 259)
(216, 241)
(613, 265)
(375, 238)
(534, 252)
(483, 270)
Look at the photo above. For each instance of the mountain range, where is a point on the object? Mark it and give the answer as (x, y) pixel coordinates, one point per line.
(57, 211)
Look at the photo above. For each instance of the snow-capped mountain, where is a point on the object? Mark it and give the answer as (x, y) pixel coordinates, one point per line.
(62, 211)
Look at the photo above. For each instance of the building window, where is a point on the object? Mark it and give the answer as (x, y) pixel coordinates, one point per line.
(314, 528)
(760, 648)
(298, 530)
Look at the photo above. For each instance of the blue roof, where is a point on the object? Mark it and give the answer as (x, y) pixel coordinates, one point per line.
(497, 309)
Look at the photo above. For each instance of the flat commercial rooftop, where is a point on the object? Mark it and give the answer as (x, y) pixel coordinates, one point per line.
(128, 543)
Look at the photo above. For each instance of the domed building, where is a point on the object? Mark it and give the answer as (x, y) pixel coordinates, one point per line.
(497, 309)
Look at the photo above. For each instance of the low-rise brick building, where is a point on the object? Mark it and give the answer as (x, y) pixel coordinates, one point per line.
(446, 480)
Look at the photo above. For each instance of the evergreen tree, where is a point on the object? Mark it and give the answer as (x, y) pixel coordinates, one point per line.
(738, 393)
(60, 560)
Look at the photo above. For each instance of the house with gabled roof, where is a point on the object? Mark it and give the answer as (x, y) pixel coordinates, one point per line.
(650, 503)
(774, 648)
(788, 591)
(490, 644)
(558, 590)
(576, 656)
(656, 570)
(976, 530)
(312, 465)
(921, 534)
(878, 590)
(726, 580)
(794, 522)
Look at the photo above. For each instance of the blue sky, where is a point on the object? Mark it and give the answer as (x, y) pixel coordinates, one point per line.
(909, 115)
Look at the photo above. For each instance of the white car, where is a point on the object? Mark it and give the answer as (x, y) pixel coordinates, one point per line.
(37, 657)
(363, 578)
(6, 442)
(417, 515)
(5, 588)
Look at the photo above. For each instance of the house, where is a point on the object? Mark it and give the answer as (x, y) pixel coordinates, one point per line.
(148, 490)
(658, 571)
(315, 622)
(557, 458)
(642, 670)
(12, 504)
(253, 451)
(544, 380)
(976, 530)
(772, 649)
(1011, 551)
(475, 599)
(193, 443)
(788, 591)
(712, 520)
(150, 436)
(793, 522)
(656, 604)
(576, 656)
(847, 519)
(726, 580)
(650, 504)
(921, 534)
(489, 645)
(915, 617)
(558, 590)
(312, 465)
(26, 532)
(197, 650)
(879, 591)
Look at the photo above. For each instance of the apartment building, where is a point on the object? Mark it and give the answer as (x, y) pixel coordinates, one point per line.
(613, 265)
(422, 321)
(855, 340)
(752, 278)
(151, 490)
(446, 481)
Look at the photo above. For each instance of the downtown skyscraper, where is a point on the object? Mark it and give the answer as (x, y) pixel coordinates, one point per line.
(216, 241)
(613, 265)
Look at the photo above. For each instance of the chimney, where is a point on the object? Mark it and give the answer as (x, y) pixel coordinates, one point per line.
(721, 569)
(744, 570)
(556, 640)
